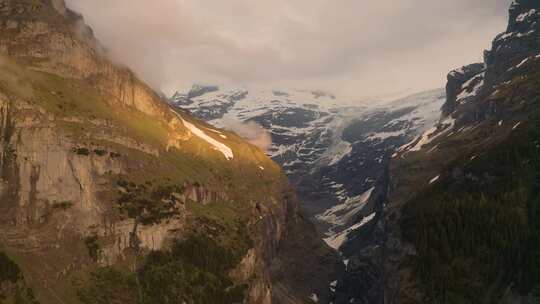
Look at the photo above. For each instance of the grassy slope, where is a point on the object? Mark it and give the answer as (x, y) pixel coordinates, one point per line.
(80, 113)
(13, 288)
(76, 108)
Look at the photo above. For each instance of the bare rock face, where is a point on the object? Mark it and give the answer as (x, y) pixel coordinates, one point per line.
(53, 195)
(71, 51)
(57, 192)
(60, 6)
(456, 79)
(522, 15)
(520, 41)
(97, 172)
(486, 103)
(512, 52)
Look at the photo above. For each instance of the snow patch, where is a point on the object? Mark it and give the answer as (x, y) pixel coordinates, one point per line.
(338, 152)
(342, 213)
(436, 178)
(429, 135)
(520, 64)
(424, 139)
(215, 131)
(433, 149)
(505, 36)
(525, 15)
(337, 240)
(467, 92)
(385, 135)
(226, 151)
(458, 71)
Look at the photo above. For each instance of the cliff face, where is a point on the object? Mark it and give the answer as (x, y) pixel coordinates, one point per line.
(103, 184)
(453, 188)
(57, 41)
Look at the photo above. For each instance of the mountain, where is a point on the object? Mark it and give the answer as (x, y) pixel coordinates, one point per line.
(335, 154)
(460, 217)
(439, 209)
(110, 195)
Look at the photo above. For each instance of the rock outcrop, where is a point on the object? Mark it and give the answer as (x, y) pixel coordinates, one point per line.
(455, 81)
(413, 252)
(486, 105)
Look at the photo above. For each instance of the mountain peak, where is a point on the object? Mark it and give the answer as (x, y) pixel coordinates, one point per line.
(200, 89)
(523, 14)
(511, 51)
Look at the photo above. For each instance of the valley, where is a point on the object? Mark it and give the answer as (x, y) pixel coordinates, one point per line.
(336, 155)
(111, 193)
(363, 171)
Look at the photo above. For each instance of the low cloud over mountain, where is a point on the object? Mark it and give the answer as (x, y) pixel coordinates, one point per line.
(353, 48)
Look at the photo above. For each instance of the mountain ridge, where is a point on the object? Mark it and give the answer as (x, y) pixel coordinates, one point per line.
(104, 184)
(332, 152)
(491, 110)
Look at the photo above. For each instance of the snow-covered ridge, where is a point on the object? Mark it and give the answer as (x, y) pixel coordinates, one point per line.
(332, 150)
(289, 115)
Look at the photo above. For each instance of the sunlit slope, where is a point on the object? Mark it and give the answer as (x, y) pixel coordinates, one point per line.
(109, 194)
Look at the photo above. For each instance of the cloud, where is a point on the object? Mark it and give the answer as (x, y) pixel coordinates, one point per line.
(351, 47)
(250, 131)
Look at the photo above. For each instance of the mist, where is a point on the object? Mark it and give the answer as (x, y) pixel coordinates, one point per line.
(254, 133)
(354, 49)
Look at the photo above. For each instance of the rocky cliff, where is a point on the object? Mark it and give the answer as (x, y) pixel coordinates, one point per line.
(109, 195)
(460, 210)
(460, 217)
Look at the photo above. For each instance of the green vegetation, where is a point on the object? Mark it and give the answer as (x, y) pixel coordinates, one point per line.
(71, 98)
(92, 246)
(83, 114)
(109, 286)
(82, 151)
(195, 271)
(192, 271)
(479, 232)
(9, 271)
(147, 204)
(100, 152)
(63, 206)
(13, 288)
(224, 222)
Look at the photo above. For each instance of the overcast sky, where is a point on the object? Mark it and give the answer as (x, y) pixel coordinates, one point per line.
(353, 48)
